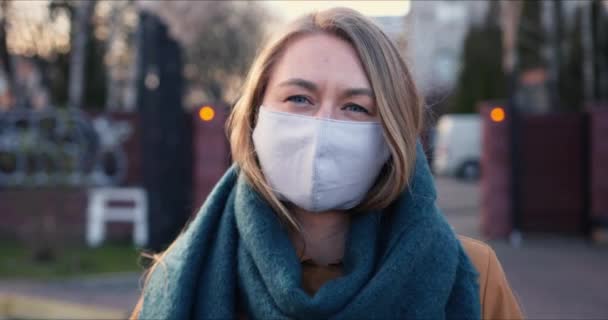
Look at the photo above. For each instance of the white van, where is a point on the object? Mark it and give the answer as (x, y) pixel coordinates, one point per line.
(457, 148)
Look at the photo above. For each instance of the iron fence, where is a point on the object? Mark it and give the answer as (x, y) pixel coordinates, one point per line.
(61, 147)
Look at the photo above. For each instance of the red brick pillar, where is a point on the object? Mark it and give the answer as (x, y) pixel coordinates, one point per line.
(598, 123)
(495, 182)
(211, 151)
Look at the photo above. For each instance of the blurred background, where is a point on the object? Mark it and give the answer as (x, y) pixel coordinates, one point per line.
(112, 134)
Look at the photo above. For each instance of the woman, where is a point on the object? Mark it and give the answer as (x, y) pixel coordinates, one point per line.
(329, 209)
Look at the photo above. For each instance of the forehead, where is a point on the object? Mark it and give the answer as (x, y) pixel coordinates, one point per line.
(321, 58)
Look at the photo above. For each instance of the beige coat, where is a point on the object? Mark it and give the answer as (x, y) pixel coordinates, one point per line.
(497, 299)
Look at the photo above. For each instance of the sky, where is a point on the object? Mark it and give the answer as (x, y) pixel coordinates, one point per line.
(29, 14)
(291, 9)
(29, 31)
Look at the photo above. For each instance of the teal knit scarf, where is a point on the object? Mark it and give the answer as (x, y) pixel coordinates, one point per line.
(402, 262)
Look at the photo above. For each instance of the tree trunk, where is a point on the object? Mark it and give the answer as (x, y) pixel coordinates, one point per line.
(600, 40)
(554, 48)
(4, 55)
(588, 61)
(113, 101)
(80, 38)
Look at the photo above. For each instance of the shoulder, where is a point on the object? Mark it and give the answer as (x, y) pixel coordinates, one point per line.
(497, 298)
(479, 252)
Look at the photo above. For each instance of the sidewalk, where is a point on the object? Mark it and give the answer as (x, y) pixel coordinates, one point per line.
(554, 277)
(116, 293)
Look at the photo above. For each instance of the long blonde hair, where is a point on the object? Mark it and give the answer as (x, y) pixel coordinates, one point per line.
(399, 103)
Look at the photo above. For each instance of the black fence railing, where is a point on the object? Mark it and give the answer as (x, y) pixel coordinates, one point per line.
(60, 147)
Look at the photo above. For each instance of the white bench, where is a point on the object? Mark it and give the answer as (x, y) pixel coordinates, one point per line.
(99, 212)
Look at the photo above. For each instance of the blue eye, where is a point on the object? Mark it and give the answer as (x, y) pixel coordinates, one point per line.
(298, 99)
(355, 108)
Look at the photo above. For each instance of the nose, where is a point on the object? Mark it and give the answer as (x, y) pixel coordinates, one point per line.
(325, 111)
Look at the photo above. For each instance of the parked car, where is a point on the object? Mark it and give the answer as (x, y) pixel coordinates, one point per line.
(457, 146)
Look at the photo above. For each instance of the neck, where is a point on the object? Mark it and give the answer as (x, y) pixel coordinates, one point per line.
(323, 235)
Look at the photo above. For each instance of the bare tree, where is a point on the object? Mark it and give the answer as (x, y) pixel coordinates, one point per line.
(220, 39)
(116, 24)
(80, 35)
(4, 54)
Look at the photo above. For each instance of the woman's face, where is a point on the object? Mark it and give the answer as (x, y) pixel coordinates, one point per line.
(320, 75)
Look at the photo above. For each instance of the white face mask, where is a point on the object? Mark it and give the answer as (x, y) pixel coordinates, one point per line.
(319, 164)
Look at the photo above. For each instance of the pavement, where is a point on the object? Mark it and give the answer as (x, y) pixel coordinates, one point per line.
(116, 293)
(554, 277)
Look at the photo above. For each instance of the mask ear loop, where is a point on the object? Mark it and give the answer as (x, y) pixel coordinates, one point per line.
(254, 121)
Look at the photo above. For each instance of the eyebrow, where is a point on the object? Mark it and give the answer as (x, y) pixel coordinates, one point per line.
(310, 86)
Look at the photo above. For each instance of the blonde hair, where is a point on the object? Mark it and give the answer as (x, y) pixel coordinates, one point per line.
(397, 99)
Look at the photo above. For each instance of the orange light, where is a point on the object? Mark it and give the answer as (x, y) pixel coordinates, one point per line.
(497, 114)
(206, 113)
